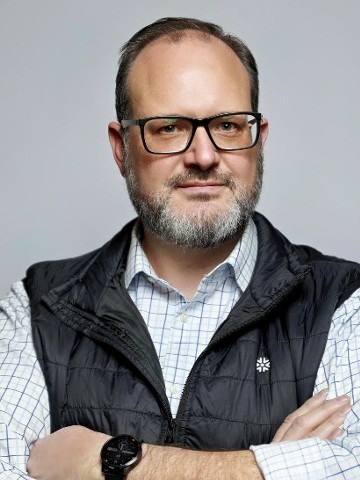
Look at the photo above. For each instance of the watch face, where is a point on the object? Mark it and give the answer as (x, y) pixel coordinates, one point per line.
(121, 451)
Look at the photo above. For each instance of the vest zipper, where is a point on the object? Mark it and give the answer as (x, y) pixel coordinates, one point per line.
(113, 328)
(187, 387)
(170, 435)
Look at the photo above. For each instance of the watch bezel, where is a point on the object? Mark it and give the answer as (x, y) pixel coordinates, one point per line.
(114, 442)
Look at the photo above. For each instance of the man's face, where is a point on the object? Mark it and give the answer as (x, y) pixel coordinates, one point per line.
(203, 196)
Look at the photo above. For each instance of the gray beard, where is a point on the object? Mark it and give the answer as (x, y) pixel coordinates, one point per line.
(199, 229)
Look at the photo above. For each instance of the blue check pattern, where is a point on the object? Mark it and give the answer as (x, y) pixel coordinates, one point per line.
(180, 330)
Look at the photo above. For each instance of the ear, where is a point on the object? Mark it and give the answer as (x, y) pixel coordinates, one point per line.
(117, 144)
(264, 130)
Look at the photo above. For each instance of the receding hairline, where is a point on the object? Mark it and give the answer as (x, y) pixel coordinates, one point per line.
(187, 34)
(175, 30)
(181, 36)
(178, 38)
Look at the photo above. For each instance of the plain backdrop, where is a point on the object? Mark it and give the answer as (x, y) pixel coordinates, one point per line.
(60, 191)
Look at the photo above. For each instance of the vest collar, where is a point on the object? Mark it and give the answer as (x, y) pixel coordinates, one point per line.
(97, 304)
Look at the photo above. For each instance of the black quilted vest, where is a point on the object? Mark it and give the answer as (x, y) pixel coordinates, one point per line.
(102, 370)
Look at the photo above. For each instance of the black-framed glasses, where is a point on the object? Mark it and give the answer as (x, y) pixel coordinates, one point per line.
(174, 134)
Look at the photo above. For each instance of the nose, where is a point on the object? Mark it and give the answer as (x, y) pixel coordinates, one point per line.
(202, 151)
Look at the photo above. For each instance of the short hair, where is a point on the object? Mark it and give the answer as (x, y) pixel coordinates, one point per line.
(175, 28)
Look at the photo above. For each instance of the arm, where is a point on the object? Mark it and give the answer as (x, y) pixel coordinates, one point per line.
(23, 398)
(318, 418)
(74, 452)
(306, 446)
(169, 463)
(340, 371)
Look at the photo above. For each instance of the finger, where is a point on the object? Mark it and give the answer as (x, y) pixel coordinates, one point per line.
(330, 429)
(310, 404)
(323, 416)
(337, 433)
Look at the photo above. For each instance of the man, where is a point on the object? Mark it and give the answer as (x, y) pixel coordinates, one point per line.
(199, 325)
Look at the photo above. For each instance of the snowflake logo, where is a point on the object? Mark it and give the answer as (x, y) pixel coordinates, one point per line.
(262, 364)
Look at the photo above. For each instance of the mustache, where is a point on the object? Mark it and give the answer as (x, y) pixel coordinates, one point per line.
(202, 175)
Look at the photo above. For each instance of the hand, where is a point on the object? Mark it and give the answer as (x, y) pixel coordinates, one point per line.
(72, 453)
(317, 417)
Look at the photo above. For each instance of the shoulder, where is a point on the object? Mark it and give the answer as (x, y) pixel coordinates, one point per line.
(15, 326)
(44, 276)
(346, 319)
(47, 275)
(305, 254)
(340, 366)
(14, 307)
(334, 274)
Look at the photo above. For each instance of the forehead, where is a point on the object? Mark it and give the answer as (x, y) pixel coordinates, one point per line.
(192, 71)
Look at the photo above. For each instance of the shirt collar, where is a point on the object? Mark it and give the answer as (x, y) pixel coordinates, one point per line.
(242, 258)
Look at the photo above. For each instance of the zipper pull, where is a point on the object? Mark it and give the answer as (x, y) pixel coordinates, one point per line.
(170, 436)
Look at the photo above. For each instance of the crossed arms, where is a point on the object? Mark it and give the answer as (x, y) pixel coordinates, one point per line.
(74, 452)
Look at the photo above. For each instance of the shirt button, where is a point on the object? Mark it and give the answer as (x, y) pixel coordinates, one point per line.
(174, 389)
(184, 318)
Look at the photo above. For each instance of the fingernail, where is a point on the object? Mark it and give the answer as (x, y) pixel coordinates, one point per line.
(344, 411)
(323, 393)
(341, 415)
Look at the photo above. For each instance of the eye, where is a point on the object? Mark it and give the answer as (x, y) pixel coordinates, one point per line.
(164, 126)
(168, 128)
(227, 126)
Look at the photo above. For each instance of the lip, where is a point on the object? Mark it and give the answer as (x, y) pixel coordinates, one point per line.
(201, 187)
(199, 183)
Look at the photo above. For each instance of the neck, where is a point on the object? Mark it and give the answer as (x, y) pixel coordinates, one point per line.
(183, 268)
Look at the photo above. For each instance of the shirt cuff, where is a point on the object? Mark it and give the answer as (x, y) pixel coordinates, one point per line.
(302, 460)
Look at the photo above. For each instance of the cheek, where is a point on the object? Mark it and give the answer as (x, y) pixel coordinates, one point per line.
(245, 168)
(140, 163)
(151, 172)
(150, 177)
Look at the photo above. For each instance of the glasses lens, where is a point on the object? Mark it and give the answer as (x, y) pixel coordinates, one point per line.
(167, 135)
(231, 132)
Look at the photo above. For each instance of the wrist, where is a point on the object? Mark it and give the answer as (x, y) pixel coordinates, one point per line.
(119, 456)
(94, 456)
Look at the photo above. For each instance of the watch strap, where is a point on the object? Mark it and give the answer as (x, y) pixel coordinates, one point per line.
(117, 476)
(111, 466)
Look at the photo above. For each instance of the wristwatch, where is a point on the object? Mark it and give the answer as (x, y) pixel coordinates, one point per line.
(119, 455)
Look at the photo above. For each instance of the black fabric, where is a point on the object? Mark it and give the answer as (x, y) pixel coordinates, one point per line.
(102, 370)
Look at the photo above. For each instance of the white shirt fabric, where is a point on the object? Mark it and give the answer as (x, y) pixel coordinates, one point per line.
(182, 329)
(179, 337)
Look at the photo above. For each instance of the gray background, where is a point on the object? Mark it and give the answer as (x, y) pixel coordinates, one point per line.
(60, 191)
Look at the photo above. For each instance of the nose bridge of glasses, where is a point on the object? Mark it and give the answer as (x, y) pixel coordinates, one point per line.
(201, 122)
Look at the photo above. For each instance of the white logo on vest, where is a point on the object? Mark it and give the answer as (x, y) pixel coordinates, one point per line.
(262, 364)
